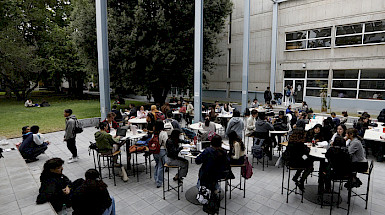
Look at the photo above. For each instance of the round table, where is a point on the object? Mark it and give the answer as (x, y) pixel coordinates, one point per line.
(138, 121)
(199, 126)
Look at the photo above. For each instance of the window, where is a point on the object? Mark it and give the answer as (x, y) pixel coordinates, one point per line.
(317, 80)
(344, 84)
(372, 84)
(310, 39)
(294, 74)
(360, 34)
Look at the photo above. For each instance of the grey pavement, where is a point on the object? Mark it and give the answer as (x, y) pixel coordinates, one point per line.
(19, 183)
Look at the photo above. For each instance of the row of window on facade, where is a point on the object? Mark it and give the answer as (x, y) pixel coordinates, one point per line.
(359, 84)
(345, 35)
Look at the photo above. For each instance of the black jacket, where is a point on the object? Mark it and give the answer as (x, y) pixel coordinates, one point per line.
(172, 149)
(267, 95)
(91, 197)
(294, 154)
(51, 190)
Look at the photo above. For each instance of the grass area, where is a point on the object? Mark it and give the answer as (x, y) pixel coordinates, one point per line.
(14, 115)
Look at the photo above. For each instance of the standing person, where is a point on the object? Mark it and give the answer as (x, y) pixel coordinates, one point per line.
(235, 124)
(151, 118)
(335, 119)
(173, 159)
(287, 94)
(165, 108)
(92, 196)
(70, 135)
(292, 94)
(190, 112)
(267, 95)
(160, 159)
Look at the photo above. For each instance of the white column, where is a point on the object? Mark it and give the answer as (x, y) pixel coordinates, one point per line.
(198, 60)
(245, 69)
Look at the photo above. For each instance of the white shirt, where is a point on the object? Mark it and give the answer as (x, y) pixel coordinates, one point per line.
(250, 125)
(38, 139)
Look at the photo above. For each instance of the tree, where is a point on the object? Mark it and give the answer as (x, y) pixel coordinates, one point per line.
(151, 42)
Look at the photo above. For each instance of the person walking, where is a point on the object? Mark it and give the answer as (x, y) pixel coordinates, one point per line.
(70, 135)
(267, 95)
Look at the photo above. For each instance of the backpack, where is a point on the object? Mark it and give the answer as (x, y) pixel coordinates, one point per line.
(78, 127)
(288, 93)
(154, 145)
(247, 170)
(168, 127)
(159, 115)
(212, 206)
(256, 149)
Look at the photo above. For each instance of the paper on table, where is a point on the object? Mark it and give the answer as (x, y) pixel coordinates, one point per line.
(323, 143)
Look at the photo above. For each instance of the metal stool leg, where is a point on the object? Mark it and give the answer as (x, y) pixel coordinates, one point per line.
(164, 197)
(283, 177)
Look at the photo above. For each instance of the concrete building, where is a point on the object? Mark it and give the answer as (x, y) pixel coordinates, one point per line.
(333, 45)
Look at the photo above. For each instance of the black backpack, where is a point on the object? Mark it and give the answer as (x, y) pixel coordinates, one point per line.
(78, 127)
(256, 149)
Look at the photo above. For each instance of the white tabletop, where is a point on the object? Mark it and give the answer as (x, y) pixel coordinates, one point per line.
(130, 135)
(138, 121)
(199, 126)
(278, 132)
(317, 152)
(313, 122)
(225, 115)
(176, 112)
(375, 134)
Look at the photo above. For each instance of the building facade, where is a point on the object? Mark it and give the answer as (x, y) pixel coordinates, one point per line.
(331, 46)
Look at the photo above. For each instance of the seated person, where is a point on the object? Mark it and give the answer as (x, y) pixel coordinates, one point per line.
(339, 163)
(209, 126)
(33, 145)
(327, 129)
(29, 103)
(92, 196)
(262, 128)
(255, 104)
(166, 107)
(236, 124)
(215, 164)
(111, 123)
(175, 124)
(118, 116)
(344, 117)
(140, 114)
(104, 141)
(288, 110)
(173, 150)
(25, 131)
(297, 155)
(55, 187)
(359, 162)
(173, 100)
(237, 149)
(280, 124)
(218, 108)
(341, 132)
(250, 123)
(302, 120)
(335, 119)
(314, 135)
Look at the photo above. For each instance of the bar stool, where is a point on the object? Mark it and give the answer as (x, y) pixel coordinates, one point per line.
(368, 173)
(239, 185)
(170, 187)
(109, 157)
(340, 180)
(288, 190)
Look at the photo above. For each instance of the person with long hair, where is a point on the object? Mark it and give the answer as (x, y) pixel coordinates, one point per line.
(55, 187)
(315, 135)
(297, 156)
(160, 159)
(151, 118)
(237, 149)
(92, 196)
(173, 158)
(341, 132)
(356, 150)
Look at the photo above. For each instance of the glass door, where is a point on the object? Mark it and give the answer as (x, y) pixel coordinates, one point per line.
(298, 91)
(286, 83)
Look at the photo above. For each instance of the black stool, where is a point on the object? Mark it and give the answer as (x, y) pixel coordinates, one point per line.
(340, 180)
(109, 157)
(368, 173)
(239, 186)
(288, 190)
(169, 187)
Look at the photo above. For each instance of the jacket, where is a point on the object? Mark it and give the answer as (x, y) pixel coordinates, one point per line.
(70, 128)
(250, 125)
(294, 154)
(261, 126)
(267, 95)
(356, 151)
(235, 124)
(215, 164)
(104, 141)
(339, 161)
(27, 144)
(91, 197)
(51, 190)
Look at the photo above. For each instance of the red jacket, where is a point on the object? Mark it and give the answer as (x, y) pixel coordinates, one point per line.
(115, 125)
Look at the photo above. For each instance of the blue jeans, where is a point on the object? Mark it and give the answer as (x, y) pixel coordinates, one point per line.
(160, 160)
(111, 209)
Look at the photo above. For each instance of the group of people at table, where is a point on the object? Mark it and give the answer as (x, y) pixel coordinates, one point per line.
(345, 154)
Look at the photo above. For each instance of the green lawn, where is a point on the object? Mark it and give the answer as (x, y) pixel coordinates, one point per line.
(14, 115)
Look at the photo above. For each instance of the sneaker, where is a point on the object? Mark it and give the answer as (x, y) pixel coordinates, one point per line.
(72, 160)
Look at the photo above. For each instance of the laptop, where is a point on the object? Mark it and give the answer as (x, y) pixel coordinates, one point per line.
(121, 131)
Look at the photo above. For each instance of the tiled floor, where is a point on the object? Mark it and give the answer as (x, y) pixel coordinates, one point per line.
(263, 194)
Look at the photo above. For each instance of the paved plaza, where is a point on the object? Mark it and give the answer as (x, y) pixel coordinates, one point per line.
(19, 183)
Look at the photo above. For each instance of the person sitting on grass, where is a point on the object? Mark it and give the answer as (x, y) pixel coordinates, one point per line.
(92, 196)
(173, 150)
(55, 187)
(33, 145)
(111, 123)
